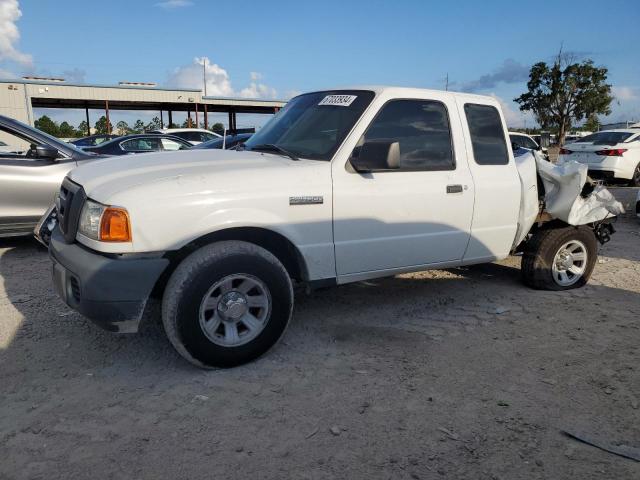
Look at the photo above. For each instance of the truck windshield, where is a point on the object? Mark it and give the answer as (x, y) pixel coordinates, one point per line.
(313, 125)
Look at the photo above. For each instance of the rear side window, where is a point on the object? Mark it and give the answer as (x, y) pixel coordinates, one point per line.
(605, 138)
(141, 145)
(487, 135)
(421, 127)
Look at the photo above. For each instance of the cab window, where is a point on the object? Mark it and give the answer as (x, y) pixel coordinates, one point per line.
(487, 134)
(421, 127)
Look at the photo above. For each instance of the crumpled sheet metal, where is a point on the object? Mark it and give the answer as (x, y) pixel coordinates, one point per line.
(563, 184)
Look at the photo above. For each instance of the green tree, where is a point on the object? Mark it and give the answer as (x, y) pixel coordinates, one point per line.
(123, 127)
(564, 92)
(154, 124)
(67, 131)
(101, 126)
(47, 125)
(138, 127)
(188, 123)
(217, 128)
(592, 124)
(83, 129)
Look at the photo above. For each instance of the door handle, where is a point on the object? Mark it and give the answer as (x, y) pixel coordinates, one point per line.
(454, 188)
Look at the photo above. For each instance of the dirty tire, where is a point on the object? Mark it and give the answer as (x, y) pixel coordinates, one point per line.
(635, 179)
(189, 285)
(541, 251)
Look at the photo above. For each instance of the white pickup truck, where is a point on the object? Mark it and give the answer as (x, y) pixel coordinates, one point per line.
(340, 186)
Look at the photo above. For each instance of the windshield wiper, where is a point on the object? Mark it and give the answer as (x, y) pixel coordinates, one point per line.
(271, 147)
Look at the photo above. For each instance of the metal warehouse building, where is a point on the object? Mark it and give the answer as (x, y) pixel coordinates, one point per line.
(18, 98)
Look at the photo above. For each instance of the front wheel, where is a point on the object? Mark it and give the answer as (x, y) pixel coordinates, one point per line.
(226, 304)
(559, 258)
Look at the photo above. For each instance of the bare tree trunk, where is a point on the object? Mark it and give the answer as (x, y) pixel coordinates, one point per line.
(562, 131)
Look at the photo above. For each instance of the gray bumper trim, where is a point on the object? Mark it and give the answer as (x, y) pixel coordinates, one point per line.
(110, 291)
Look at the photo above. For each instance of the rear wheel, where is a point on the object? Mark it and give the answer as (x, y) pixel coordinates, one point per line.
(226, 304)
(559, 258)
(635, 180)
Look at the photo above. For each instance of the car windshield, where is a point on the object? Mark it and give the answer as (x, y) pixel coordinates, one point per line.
(605, 138)
(312, 125)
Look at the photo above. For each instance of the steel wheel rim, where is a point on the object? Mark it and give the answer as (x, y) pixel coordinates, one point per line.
(235, 310)
(570, 263)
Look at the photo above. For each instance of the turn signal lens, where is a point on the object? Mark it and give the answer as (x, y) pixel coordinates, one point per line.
(614, 152)
(115, 225)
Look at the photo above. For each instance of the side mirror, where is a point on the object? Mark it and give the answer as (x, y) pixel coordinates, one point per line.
(376, 156)
(45, 151)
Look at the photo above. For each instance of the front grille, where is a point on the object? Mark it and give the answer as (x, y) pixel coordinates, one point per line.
(69, 205)
(75, 289)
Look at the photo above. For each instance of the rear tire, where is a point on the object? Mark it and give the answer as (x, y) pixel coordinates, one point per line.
(635, 179)
(226, 304)
(559, 258)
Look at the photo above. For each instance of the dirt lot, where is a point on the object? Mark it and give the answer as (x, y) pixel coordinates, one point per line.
(416, 376)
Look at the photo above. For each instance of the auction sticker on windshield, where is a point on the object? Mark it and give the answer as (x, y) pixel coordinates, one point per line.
(338, 100)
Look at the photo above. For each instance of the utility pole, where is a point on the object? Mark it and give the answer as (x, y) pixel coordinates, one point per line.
(446, 85)
(204, 74)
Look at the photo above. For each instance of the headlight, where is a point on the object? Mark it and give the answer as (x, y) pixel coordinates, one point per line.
(104, 223)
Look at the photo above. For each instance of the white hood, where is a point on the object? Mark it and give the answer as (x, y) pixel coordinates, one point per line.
(104, 178)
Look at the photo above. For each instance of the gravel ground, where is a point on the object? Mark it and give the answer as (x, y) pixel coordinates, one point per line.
(416, 376)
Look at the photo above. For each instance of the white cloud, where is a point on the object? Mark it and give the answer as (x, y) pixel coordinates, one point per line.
(9, 34)
(218, 80)
(191, 76)
(171, 4)
(258, 90)
(625, 94)
(513, 116)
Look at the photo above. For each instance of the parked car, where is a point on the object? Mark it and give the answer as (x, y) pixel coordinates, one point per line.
(140, 143)
(194, 136)
(522, 140)
(609, 154)
(229, 142)
(92, 140)
(30, 174)
(341, 186)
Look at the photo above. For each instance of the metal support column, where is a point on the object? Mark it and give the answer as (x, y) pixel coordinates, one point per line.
(170, 119)
(232, 121)
(197, 122)
(86, 111)
(161, 119)
(106, 111)
(188, 118)
(206, 120)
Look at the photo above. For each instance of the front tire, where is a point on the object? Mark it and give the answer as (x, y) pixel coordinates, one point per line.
(559, 258)
(226, 304)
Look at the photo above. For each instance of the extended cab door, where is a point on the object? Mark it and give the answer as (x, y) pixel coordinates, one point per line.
(417, 215)
(497, 183)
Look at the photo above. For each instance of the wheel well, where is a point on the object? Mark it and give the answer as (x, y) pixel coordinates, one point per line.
(277, 244)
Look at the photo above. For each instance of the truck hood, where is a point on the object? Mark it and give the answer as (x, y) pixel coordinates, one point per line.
(103, 178)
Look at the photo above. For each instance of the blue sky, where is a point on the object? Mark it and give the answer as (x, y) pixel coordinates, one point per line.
(277, 48)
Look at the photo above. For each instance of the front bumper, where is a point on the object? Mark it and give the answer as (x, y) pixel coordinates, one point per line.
(112, 291)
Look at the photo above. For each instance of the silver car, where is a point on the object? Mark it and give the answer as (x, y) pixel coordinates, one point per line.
(32, 167)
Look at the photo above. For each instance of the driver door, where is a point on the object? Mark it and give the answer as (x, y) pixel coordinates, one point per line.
(416, 215)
